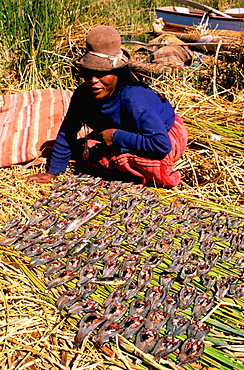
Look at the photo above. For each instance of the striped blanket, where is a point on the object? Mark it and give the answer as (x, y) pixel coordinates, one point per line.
(29, 122)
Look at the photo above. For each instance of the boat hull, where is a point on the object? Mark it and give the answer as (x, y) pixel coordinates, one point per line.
(193, 20)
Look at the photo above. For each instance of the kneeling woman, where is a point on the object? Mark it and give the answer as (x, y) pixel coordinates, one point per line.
(134, 130)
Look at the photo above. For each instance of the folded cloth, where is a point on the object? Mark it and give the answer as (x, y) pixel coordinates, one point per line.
(29, 122)
(159, 171)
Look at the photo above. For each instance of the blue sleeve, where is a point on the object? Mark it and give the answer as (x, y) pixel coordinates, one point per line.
(152, 119)
(61, 155)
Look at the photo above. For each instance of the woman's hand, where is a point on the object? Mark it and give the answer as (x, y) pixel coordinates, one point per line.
(41, 177)
(107, 135)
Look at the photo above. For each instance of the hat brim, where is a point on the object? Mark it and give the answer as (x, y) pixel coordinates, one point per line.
(97, 63)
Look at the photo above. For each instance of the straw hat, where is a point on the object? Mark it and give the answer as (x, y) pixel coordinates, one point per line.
(103, 50)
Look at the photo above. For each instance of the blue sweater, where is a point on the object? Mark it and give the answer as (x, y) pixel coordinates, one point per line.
(142, 121)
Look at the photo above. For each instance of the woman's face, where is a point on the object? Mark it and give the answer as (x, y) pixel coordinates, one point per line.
(100, 84)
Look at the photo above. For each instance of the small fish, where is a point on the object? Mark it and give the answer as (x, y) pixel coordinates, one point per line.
(156, 221)
(132, 202)
(110, 221)
(61, 278)
(126, 216)
(32, 234)
(131, 260)
(190, 351)
(87, 324)
(218, 228)
(33, 250)
(165, 210)
(166, 281)
(227, 254)
(71, 196)
(73, 263)
(145, 276)
(188, 243)
(40, 260)
(238, 291)
(144, 213)
(87, 195)
(156, 319)
(238, 241)
(75, 212)
(132, 324)
(206, 246)
(146, 340)
(18, 230)
(188, 273)
(23, 244)
(233, 222)
(119, 238)
(94, 256)
(53, 267)
(193, 259)
(222, 288)
(177, 325)
(91, 231)
(113, 187)
(59, 226)
(149, 233)
(113, 253)
(41, 202)
(110, 268)
(114, 296)
(132, 225)
(50, 221)
(87, 273)
(176, 220)
(59, 252)
(232, 281)
(153, 260)
(92, 211)
(116, 206)
(113, 282)
(197, 330)
(203, 268)
(67, 299)
(192, 210)
(87, 289)
(147, 194)
(69, 207)
(177, 265)
(137, 189)
(153, 202)
(78, 249)
(12, 222)
(127, 274)
(170, 303)
(131, 290)
(106, 333)
(52, 243)
(134, 238)
(202, 305)
(169, 232)
(165, 345)
(84, 306)
(114, 311)
(140, 306)
(205, 234)
(38, 216)
(117, 195)
(186, 296)
(54, 204)
(108, 232)
(164, 244)
(208, 281)
(220, 216)
(205, 213)
(178, 205)
(156, 295)
(73, 240)
(143, 245)
(211, 258)
(100, 244)
(185, 228)
(178, 252)
(239, 262)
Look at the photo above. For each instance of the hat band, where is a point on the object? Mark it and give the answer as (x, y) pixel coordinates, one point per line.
(114, 59)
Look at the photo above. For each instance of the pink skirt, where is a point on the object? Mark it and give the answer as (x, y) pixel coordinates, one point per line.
(147, 170)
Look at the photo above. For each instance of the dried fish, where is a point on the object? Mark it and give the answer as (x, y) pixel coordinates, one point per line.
(166, 281)
(41, 202)
(186, 296)
(126, 216)
(91, 231)
(134, 238)
(131, 260)
(87, 195)
(171, 303)
(54, 204)
(59, 226)
(169, 232)
(119, 238)
(33, 250)
(198, 330)
(132, 225)
(176, 220)
(185, 228)
(143, 245)
(37, 217)
(117, 195)
(144, 213)
(187, 243)
(67, 299)
(177, 265)
(156, 295)
(153, 202)
(116, 206)
(144, 276)
(140, 306)
(177, 325)
(153, 260)
(147, 194)
(165, 210)
(208, 281)
(23, 244)
(137, 189)
(99, 244)
(18, 230)
(149, 233)
(131, 290)
(114, 296)
(156, 221)
(94, 256)
(61, 278)
(206, 246)
(108, 232)
(12, 222)
(238, 291)
(50, 221)
(70, 196)
(52, 243)
(220, 216)
(211, 258)
(73, 263)
(92, 211)
(110, 268)
(87, 324)
(132, 324)
(106, 333)
(132, 202)
(53, 267)
(190, 351)
(114, 311)
(146, 340)
(164, 244)
(193, 259)
(165, 345)
(203, 268)
(84, 306)
(188, 273)
(113, 253)
(238, 241)
(69, 207)
(239, 262)
(87, 289)
(127, 274)
(202, 305)
(110, 221)
(205, 234)
(233, 222)
(156, 319)
(113, 187)
(178, 252)
(73, 240)
(227, 254)
(87, 273)
(218, 228)
(178, 205)
(205, 213)
(75, 212)
(222, 288)
(59, 252)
